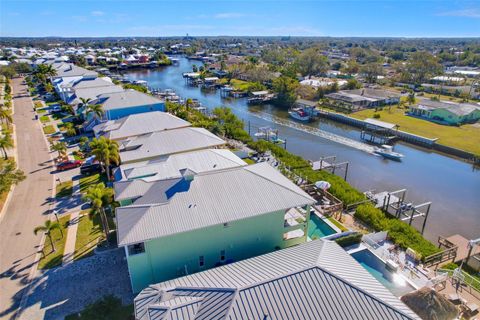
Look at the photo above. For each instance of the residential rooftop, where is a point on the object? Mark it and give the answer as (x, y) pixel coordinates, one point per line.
(167, 142)
(460, 109)
(70, 70)
(125, 99)
(196, 201)
(315, 280)
(170, 166)
(139, 124)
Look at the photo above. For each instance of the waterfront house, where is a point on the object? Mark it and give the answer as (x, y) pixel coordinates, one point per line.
(315, 280)
(88, 88)
(121, 104)
(363, 98)
(169, 167)
(199, 221)
(164, 143)
(139, 124)
(445, 112)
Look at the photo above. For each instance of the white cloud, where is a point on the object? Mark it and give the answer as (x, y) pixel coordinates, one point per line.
(230, 15)
(97, 13)
(467, 13)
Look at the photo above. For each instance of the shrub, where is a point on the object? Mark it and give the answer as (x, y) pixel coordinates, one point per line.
(349, 240)
(376, 116)
(399, 232)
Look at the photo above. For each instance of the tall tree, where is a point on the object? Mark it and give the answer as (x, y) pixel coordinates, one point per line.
(106, 152)
(371, 71)
(312, 62)
(9, 174)
(5, 115)
(421, 66)
(100, 197)
(285, 88)
(47, 228)
(6, 142)
(60, 147)
(96, 110)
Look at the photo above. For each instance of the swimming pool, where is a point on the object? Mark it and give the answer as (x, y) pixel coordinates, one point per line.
(377, 268)
(317, 228)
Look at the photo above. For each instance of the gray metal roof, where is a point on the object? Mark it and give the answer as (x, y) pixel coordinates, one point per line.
(169, 167)
(315, 280)
(138, 124)
(93, 92)
(125, 99)
(460, 109)
(168, 142)
(71, 70)
(211, 198)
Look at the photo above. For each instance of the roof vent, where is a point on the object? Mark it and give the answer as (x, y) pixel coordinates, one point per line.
(187, 174)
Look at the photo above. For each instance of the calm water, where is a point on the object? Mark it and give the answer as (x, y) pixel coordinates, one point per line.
(318, 228)
(377, 268)
(452, 185)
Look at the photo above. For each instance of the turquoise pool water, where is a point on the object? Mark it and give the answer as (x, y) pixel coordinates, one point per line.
(317, 228)
(377, 268)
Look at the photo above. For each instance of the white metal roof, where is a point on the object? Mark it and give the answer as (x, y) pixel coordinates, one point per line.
(138, 124)
(125, 99)
(379, 123)
(209, 199)
(169, 167)
(164, 143)
(315, 280)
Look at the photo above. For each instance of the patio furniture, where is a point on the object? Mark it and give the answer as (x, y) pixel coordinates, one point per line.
(472, 307)
(453, 297)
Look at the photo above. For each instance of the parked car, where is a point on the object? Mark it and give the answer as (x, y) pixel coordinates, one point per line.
(89, 168)
(69, 164)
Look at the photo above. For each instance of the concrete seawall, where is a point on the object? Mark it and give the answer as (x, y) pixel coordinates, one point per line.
(404, 136)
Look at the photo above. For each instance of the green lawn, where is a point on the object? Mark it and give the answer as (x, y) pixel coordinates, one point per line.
(48, 129)
(89, 234)
(38, 104)
(41, 111)
(54, 259)
(44, 119)
(64, 189)
(108, 307)
(88, 181)
(59, 116)
(249, 161)
(338, 224)
(465, 137)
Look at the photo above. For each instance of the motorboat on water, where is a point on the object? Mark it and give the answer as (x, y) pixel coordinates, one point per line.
(386, 151)
(299, 114)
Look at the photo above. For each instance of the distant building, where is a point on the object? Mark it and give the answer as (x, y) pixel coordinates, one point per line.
(363, 98)
(199, 221)
(446, 112)
(315, 280)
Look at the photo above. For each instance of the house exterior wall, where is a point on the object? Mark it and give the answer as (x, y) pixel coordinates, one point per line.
(173, 256)
(123, 112)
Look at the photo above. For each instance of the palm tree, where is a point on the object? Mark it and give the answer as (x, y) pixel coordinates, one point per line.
(60, 147)
(48, 227)
(100, 198)
(5, 115)
(106, 152)
(6, 142)
(96, 110)
(188, 103)
(84, 102)
(70, 129)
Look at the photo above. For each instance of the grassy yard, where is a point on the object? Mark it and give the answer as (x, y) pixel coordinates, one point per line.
(44, 119)
(89, 233)
(48, 129)
(54, 259)
(108, 307)
(41, 111)
(465, 137)
(64, 189)
(338, 224)
(249, 161)
(89, 181)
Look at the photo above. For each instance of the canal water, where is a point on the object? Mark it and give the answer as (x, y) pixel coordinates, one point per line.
(451, 185)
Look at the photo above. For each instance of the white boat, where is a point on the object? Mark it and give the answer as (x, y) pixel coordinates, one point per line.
(386, 151)
(299, 114)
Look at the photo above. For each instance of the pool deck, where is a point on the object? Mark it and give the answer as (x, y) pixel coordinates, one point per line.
(468, 296)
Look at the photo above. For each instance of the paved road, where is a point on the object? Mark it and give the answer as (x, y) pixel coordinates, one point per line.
(27, 207)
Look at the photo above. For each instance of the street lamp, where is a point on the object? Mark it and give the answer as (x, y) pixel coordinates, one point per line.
(55, 212)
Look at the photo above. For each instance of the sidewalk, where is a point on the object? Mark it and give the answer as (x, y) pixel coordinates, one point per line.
(69, 250)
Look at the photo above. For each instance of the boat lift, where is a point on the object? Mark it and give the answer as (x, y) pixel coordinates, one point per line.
(328, 163)
(405, 211)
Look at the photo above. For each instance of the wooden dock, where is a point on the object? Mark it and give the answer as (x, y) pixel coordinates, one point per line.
(462, 244)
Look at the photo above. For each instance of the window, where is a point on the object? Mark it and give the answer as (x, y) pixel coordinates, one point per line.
(222, 255)
(201, 261)
(136, 248)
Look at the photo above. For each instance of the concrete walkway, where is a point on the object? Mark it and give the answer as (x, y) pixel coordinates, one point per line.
(69, 250)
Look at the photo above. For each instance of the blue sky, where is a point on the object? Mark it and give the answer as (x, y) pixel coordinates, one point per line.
(396, 18)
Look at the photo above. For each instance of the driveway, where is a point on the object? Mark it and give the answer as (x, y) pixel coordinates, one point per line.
(28, 206)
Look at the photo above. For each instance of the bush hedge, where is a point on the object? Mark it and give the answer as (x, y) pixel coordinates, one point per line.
(349, 240)
(399, 232)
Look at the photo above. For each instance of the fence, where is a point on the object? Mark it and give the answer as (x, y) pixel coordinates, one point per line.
(472, 284)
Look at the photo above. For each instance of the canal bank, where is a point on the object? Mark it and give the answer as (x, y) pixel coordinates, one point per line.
(450, 184)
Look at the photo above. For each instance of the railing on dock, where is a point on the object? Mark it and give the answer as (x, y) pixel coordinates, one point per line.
(450, 253)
